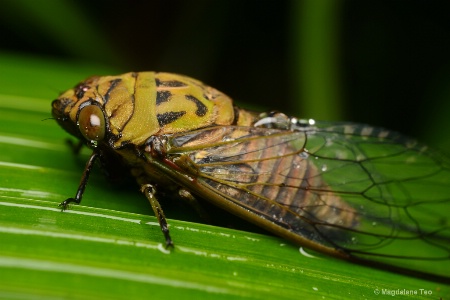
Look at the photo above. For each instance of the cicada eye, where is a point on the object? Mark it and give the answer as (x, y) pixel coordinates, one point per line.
(91, 122)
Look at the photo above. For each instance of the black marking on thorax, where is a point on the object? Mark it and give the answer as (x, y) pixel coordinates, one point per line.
(112, 86)
(162, 96)
(169, 117)
(170, 83)
(201, 108)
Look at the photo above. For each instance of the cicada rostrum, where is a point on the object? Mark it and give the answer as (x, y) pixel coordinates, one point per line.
(353, 191)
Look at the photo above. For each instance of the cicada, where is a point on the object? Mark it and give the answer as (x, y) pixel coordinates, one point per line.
(353, 191)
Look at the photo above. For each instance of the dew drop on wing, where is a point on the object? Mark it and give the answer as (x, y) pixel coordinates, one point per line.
(304, 155)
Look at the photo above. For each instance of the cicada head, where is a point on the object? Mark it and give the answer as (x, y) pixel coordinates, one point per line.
(80, 111)
(130, 108)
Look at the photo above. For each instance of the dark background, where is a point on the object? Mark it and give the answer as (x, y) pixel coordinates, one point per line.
(380, 62)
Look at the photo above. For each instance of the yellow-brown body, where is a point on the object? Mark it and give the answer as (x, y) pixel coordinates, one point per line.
(333, 187)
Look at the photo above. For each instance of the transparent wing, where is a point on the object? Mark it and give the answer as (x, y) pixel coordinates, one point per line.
(366, 191)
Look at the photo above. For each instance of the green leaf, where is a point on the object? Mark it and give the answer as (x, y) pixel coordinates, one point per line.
(111, 246)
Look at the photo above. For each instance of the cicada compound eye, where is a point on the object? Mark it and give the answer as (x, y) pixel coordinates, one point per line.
(91, 122)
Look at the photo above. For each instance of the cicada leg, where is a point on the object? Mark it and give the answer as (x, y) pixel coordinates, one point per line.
(149, 191)
(83, 182)
(192, 201)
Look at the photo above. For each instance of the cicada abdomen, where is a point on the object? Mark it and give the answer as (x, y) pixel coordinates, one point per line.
(349, 190)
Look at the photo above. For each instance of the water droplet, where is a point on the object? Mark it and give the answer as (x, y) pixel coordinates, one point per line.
(324, 168)
(304, 155)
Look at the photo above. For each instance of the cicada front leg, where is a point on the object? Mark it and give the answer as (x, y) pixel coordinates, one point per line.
(149, 191)
(83, 182)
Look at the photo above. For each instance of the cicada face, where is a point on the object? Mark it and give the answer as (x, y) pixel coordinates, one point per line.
(348, 190)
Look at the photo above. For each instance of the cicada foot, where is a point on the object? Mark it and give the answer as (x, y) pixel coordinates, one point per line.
(149, 191)
(65, 204)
